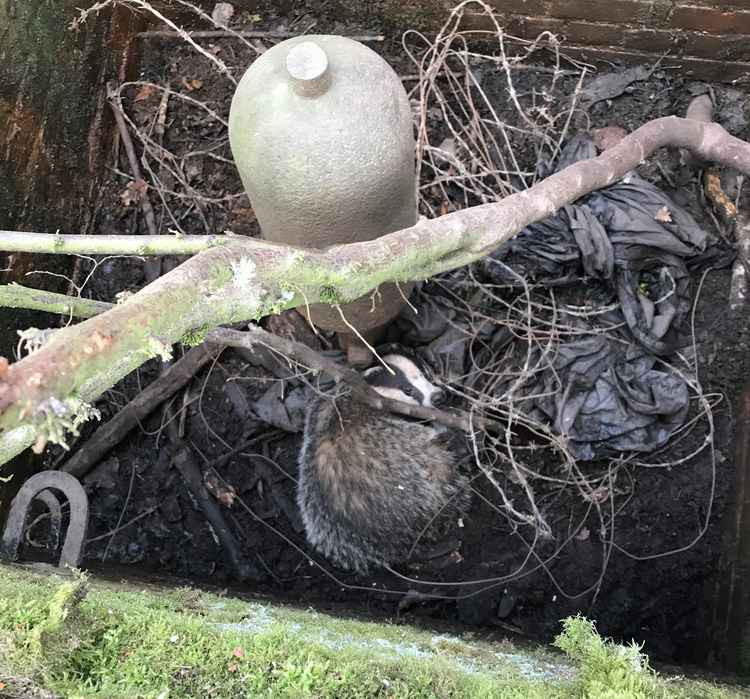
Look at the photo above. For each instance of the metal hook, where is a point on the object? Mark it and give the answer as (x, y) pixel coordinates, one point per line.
(38, 486)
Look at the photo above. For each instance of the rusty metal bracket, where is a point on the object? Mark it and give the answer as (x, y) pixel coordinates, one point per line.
(40, 486)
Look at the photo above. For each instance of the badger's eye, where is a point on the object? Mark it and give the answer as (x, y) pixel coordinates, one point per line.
(408, 390)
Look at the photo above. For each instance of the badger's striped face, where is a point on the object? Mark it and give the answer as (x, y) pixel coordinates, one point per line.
(407, 383)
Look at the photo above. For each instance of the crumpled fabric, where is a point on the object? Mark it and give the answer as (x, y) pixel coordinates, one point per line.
(610, 393)
(628, 234)
(606, 397)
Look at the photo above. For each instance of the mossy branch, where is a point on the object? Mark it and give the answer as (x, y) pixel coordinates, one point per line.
(246, 279)
(17, 296)
(143, 245)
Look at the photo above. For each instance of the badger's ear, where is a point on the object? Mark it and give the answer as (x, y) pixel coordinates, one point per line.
(372, 371)
(392, 348)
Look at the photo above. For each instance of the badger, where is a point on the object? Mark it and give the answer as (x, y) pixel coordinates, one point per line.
(371, 482)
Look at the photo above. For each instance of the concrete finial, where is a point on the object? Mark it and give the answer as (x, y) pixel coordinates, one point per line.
(322, 134)
(307, 65)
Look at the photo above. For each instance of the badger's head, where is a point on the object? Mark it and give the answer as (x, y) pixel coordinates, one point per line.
(407, 382)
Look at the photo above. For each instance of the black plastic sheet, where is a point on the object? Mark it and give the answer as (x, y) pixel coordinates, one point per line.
(610, 392)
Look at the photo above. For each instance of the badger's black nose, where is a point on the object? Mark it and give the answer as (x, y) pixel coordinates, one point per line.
(438, 398)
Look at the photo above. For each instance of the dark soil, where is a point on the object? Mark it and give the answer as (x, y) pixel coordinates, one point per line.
(646, 593)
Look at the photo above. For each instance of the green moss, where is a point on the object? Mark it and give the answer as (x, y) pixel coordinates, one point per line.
(609, 670)
(87, 638)
(92, 640)
(54, 419)
(196, 336)
(330, 294)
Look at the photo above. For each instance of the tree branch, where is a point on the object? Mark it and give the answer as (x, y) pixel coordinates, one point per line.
(176, 376)
(21, 241)
(17, 296)
(247, 278)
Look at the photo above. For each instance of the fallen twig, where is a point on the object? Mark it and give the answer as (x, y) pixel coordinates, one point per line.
(144, 5)
(152, 267)
(186, 464)
(118, 529)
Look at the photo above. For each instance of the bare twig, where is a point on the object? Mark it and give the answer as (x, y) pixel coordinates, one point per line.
(119, 528)
(17, 296)
(144, 5)
(186, 464)
(114, 101)
(152, 267)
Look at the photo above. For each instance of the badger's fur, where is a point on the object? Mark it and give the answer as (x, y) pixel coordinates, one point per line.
(370, 482)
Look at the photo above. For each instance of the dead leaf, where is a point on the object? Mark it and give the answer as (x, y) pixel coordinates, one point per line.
(232, 667)
(144, 93)
(224, 493)
(663, 215)
(134, 192)
(583, 534)
(190, 85)
(718, 198)
(445, 208)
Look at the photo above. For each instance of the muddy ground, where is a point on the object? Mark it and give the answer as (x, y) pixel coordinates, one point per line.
(660, 599)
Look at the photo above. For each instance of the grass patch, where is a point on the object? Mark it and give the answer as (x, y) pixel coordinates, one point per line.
(83, 638)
